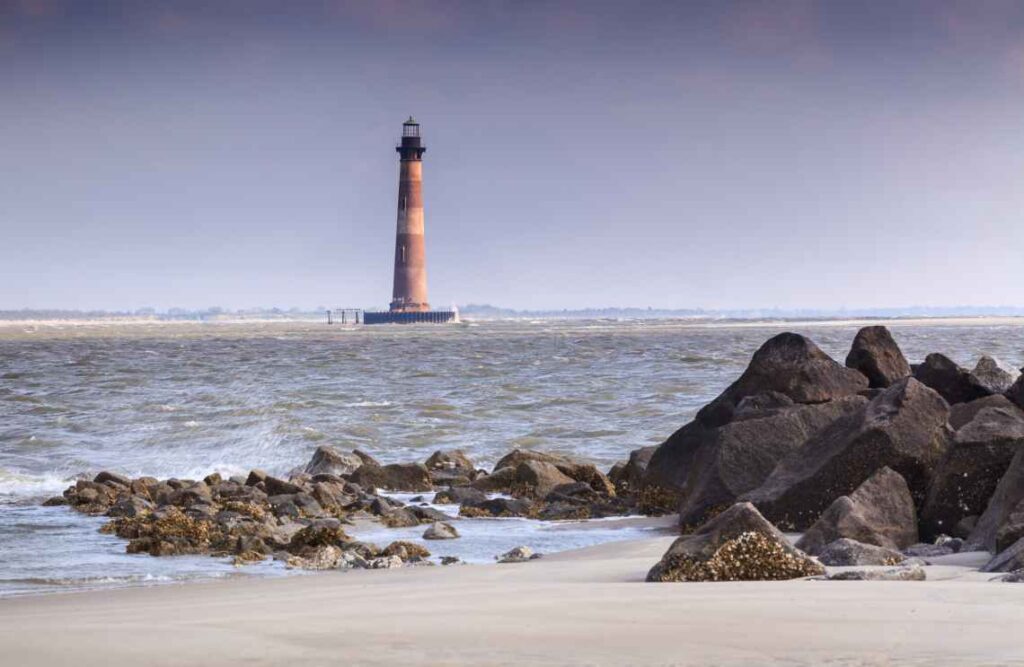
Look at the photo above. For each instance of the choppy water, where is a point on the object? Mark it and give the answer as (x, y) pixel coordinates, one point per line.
(185, 399)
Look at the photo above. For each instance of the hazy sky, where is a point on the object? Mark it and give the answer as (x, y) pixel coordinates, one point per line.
(677, 154)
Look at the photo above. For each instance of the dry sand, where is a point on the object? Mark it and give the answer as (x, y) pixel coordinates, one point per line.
(587, 607)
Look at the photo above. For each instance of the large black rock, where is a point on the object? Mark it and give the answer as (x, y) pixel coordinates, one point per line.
(710, 467)
(790, 365)
(954, 383)
(876, 355)
(904, 428)
(879, 512)
(1001, 506)
(969, 472)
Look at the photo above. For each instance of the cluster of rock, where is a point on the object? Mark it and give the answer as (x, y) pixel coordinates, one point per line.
(300, 519)
(865, 459)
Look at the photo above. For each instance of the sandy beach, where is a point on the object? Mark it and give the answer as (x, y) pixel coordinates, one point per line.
(585, 607)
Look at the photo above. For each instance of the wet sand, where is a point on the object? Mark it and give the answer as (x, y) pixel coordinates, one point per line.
(586, 607)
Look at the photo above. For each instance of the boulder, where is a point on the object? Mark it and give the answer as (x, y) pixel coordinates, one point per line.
(967, 475)
(1007, 560)
(517, 555)
(457, 495)
(903, 428)
(440, 531)
(276, 487)
(846, 552)
(961, 414)
(499, 481)
(130, 506)
(517, 456)
(454, 459)
(1016, 392)
(107, 477)
(877, 356)
(790, 365)
(879, 512)
(395, 476)
(906, 573)
(321, 558)
(328, 460)
(951, 381)
(405, 551)
(1012, 528)
(737, 545)
(497, 507)
(993, 376)
(1001, 506)
(536, 479)
(627, 476)
(707, 469)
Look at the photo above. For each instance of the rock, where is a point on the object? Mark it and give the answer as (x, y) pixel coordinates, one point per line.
(320, 533)
(969, 472)
(879, 512)
(993, 376)
(964, 526)
(385, 563)
(847, 552)
(428, 514)
(954, 543)
(328, 460)
(907, 573)
(395, 476)
(401, 517)
(278, 487)
(627, 477)
(450, 560)
(131, 506)
(922, 550)
(517, 555)
(903, 428)
(1015, 577)
(112, 477)
(55, 501)
(497, 507)
(536, 479)
(255, 477)
(1007, 560)
(457, 495)
(791, 365)
(367, 459)
(952, 382)
(1005, 499)
(1016, 392)
(707, 469)
(877, 356)
(1012, 528)
(499, 481)
(962, 414)
(440, 531)
(737, 545)
(454, 459)
(405, 551)
(517, 456)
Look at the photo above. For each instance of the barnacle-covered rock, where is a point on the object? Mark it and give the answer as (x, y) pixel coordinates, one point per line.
(737, 545)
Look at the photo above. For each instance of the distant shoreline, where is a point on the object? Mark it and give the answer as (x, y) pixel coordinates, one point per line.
(715, 322)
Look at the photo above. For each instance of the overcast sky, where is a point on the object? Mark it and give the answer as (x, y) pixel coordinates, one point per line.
(678, 154)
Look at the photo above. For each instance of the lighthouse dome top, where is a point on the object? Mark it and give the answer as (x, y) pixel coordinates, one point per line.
(410, 128)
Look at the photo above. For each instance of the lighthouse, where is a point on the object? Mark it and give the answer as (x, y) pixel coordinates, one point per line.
(410, 291)
(409, 303)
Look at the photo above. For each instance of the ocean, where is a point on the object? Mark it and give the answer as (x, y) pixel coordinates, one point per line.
(186, 399)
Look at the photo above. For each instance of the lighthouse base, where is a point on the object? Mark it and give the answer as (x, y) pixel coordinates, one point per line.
(425, 317)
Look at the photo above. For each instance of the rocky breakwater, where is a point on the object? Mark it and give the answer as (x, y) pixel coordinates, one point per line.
(301, 519)
(866, 457)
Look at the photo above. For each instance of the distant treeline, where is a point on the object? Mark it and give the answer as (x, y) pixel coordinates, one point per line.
(483, 311)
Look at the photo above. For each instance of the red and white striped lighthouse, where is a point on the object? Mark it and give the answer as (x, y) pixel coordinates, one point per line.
(410, 290)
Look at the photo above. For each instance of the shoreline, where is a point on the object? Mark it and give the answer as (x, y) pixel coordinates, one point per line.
(587, 606)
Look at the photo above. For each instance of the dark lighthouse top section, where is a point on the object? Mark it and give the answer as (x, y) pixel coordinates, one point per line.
(412, 147)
